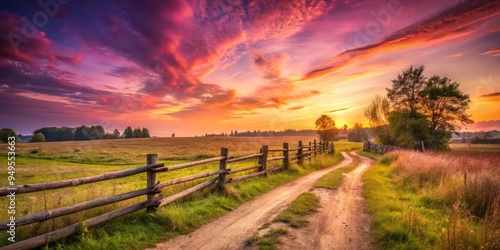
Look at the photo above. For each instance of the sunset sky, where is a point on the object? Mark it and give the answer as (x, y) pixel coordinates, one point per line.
(199, 66)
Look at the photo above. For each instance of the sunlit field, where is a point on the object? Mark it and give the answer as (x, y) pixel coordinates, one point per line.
(429, 200)
(53, 161)
(476, 147)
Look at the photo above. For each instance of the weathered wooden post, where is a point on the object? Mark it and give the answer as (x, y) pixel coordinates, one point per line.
(286, 155)
(223, 166)
(300, 155)
(263, 159)
(315, 147)
(151, 180)
(310, 153)
(332, 148)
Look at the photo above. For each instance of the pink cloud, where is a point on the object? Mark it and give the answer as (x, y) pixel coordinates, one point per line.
(18, 47)
(450, 24)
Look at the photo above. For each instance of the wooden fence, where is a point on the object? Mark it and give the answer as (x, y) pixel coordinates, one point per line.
(378, 148)
(153, 188)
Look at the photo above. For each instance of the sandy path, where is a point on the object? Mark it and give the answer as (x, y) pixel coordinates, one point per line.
(231, 230)
(341, 221)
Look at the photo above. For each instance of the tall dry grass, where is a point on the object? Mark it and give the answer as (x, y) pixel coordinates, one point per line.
(464, 184)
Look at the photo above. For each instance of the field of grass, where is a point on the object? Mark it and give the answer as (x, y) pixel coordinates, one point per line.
(476, 147)
(44, 162)
(445, 200)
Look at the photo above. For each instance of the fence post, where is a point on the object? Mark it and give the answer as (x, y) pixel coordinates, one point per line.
(310, 148)
(315, 147)
(151, 180)
(263, 159)
(300, 155)
(286, 160)
(333, 148)
(223, 166)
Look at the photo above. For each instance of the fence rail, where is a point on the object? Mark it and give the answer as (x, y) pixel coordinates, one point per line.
(154, 198)
(378, 148)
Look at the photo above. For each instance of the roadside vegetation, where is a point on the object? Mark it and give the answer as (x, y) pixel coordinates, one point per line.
(293, 215)
(435, 200)
(140, 230)
(333, 179)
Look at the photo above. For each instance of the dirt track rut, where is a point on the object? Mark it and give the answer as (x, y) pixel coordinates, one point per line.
(341, 221)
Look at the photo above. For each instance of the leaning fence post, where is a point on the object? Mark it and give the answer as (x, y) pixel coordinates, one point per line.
(315, 148)
(263, 159)
(300, 155)
(151, 180)
(286, 155)
(223, 166)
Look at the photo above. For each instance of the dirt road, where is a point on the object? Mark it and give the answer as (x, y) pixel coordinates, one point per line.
(340, 222)
(231, 230)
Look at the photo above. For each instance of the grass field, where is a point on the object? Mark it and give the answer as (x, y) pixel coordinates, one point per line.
(447, 200)
(476, 147)
(44, 162)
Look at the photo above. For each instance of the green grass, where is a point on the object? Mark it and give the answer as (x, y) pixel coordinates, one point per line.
(65, 160)
(333, 179)
(298, 209)
(269, 240)
(141, 230)
(414, 207)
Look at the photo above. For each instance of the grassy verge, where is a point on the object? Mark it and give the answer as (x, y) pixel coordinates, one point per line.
(333, 179)
(293, 215)
(420, 201)
(269, 240)
(141, 230)
(300, 207)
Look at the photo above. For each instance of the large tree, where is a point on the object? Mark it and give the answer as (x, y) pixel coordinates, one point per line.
(444, 104)
(326, 128)
(427, 110)
(406, 88)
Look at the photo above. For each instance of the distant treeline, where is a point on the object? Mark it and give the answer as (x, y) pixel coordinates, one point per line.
(485, 141)
(84, 133)
(258, 133)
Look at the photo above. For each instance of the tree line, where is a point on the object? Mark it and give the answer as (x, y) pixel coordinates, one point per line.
(84, 133)
(265, 133)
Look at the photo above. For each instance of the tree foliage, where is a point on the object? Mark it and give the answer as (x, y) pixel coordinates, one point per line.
(38, 137)
(326, 128)
(5, 133)
(405, 93)
(357, 133)
(418, 109)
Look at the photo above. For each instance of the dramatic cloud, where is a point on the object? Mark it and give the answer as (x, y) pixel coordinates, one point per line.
(217, 63)
(449, 24)
(26, 44)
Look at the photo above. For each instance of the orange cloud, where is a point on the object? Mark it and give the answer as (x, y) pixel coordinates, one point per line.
(448, 25)
(492, 51)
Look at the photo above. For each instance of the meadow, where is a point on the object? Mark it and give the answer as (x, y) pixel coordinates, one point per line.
(45, 162)
(435, 200)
